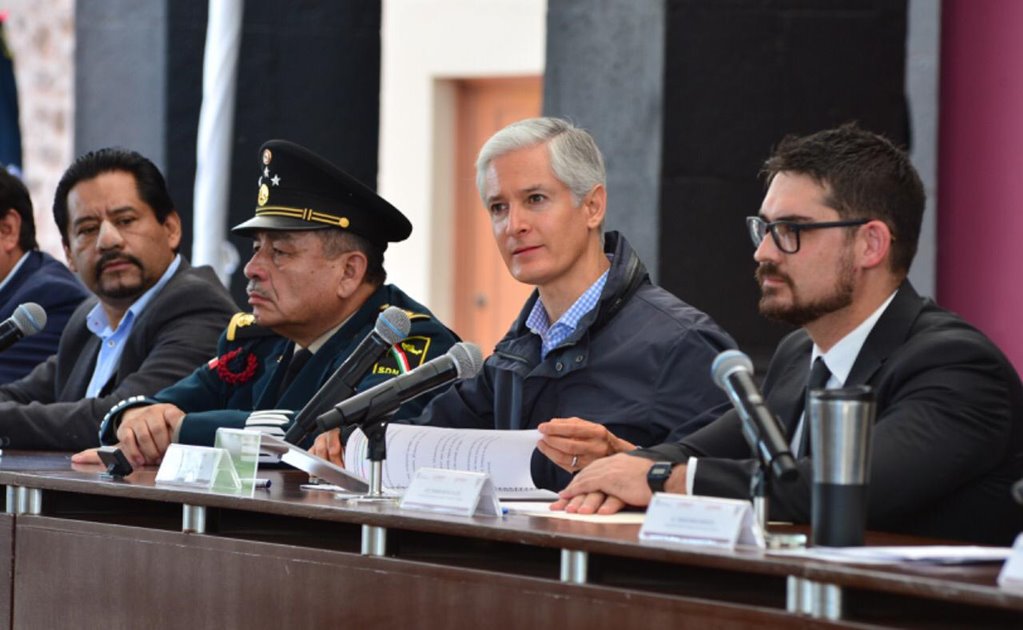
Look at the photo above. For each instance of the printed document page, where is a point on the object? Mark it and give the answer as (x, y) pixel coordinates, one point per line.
(505, 455)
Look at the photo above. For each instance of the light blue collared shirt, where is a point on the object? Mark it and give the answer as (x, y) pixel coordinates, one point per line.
(552, 335)
(112, 341)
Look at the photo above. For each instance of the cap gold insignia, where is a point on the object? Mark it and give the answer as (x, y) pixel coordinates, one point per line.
(344, 222)
(264, 194)
(267, 156)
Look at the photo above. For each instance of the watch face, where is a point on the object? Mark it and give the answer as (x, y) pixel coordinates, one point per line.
(658, 475)
(660, 469)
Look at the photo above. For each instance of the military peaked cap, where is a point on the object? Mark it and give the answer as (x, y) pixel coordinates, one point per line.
(299, 190)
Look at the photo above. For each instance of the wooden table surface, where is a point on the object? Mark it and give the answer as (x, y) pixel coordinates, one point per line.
(513, 544)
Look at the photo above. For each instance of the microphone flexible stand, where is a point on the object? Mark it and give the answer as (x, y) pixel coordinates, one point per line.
(759, 489)
(376, 434)
(375, 429)
(374, 537)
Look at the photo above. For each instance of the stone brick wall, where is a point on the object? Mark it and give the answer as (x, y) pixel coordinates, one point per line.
(41, 36)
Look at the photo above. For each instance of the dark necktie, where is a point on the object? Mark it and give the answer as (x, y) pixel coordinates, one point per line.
(295, 365)
(819, 375)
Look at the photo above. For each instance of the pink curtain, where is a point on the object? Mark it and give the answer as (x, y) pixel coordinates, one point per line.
(980, 168)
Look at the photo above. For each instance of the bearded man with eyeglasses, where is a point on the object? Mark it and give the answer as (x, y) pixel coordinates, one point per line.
(835, 236)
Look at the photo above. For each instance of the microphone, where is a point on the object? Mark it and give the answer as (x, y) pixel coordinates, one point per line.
(733, 372)
(28, 319)
(463, 360)
(392, 326)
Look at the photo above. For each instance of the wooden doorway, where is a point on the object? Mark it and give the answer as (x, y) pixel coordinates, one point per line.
(486, 297)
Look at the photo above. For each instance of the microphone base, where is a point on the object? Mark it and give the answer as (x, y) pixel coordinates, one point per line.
(784, 541)
(376, 488)
(368, 499)
(759, 486)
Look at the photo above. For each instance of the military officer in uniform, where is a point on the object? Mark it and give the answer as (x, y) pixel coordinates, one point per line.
(316, 287)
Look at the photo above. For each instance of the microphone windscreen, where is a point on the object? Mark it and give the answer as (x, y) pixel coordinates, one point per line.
(393, 325)
(30, 318)
(727, 362)
(467, 357)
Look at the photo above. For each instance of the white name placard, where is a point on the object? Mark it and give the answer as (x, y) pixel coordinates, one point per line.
(243, 447)
(451, 492)
(198, 467)
(1011, 576)
(697, 520)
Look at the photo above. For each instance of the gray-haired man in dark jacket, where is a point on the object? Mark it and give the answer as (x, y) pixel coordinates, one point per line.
(600, 360)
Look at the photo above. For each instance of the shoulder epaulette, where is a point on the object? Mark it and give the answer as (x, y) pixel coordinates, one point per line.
(243, 326)
(412, 315)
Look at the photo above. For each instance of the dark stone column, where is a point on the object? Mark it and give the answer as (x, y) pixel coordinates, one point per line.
(605, 64)
(307, 73)
(120, 78)
(734, 78)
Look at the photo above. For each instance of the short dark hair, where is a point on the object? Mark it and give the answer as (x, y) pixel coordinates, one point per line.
(148, 180)
(867, 177)
(14, 195)
(336, 242)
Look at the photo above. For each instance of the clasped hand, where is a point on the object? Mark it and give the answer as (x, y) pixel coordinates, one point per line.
(143, 436)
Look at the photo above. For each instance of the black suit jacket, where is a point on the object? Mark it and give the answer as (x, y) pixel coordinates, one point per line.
(50, 284)
(948, 440)
(176, 332)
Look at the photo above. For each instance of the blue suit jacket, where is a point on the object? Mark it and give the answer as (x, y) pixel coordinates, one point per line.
(50, 284)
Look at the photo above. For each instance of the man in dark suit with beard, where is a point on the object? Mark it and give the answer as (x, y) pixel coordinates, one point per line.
(835, 236)
(153, 319)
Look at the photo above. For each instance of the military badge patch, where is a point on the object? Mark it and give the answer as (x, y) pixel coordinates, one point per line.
(403, 356)
(234, 368)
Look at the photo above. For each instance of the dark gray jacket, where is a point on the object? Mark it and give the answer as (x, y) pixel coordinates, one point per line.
(639, 364)
(176, 332)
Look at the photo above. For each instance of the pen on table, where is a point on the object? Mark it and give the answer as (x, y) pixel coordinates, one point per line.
(261, 483)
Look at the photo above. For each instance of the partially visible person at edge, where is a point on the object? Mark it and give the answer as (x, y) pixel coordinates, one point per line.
(843, 210)
(29, 275)
(599, 359)
(152, 319)
(316, 287)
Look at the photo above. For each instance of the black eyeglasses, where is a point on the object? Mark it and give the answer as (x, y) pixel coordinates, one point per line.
(786, 233)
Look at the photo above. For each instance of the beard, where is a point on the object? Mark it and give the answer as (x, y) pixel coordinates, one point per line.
(117, 288)
(799, 312)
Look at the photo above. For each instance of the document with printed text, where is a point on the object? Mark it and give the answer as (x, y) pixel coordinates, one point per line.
(504, 455)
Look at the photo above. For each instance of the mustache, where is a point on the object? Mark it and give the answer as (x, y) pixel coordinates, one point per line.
(771, 269)
(253, 289)
(110, 257)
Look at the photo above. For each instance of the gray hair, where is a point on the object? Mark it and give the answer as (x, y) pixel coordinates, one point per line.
(337, 242)
(575, 158)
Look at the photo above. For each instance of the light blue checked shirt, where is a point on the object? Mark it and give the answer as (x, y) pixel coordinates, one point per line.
(551, 336)
(112, 341)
